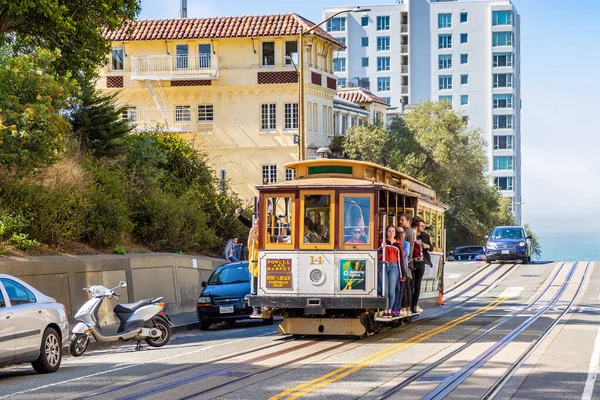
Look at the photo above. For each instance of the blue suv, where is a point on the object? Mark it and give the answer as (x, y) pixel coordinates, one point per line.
(508, 243)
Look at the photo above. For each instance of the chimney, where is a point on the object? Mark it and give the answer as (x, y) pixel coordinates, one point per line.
(183, 10)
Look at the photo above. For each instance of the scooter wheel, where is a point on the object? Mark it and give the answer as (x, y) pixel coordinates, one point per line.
(165, 336)
(78, 344)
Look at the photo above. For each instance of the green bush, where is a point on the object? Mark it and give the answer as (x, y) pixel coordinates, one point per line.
(22, 241)
(11, 223)
(119, 250)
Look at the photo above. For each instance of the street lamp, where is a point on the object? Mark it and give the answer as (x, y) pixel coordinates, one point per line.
(301, 122)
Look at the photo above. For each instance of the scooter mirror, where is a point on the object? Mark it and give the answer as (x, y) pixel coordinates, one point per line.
(122, 284)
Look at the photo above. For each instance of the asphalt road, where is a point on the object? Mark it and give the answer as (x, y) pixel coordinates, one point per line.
(251, 361)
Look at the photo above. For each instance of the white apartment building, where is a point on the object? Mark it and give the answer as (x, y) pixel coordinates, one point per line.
(466, 52)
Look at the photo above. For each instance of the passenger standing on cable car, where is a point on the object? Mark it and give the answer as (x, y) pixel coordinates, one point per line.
(401, 275)
(409, 236)
(402, 304)
(418, 226)
(391, 270)
(253, 260)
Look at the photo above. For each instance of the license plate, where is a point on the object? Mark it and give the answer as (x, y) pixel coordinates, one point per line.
(226, 309)
(505, 252)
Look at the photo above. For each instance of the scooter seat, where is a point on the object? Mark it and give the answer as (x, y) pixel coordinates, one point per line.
(128, 308)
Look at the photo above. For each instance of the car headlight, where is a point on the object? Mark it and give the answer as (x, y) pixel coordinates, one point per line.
(522, 244)
(98, 291)
(204, 300)
(246, 297)
(490, 246)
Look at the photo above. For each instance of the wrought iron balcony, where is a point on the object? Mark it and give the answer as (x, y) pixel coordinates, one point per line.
(168, 67)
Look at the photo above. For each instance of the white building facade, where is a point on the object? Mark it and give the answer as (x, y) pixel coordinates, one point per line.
(466, 52)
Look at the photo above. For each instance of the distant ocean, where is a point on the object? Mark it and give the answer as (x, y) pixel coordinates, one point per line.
(570, 246)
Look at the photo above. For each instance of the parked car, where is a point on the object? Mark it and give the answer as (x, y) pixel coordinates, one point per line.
(468, 253)
(33, 327)
(508, 243)
(225, 296)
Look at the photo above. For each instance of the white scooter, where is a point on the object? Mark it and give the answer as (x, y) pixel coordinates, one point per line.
(144, 320)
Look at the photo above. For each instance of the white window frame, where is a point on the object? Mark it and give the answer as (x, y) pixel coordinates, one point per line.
(509, 19)
(383, 63)
(509, 59)
(290, 174)
(183, 114)
(113, 60)
(339, 64)
(340, 21)
(130, 114)
(446, 42)
(384, 84)
(268, 174)
(507, 98)
(205, 113)
(290, 115)
(509, 121)
(496, 41)
(443, 20)
(509, 142)
(268, 117)
(508, 81)
(509, 186)
(464, 97)
(445, 82)
(263, 58)
(383, 22)
(445, 61)
(383, 43)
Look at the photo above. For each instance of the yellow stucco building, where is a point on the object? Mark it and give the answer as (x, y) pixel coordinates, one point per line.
(230, 85)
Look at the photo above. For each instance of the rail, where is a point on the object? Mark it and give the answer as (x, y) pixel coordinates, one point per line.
(168, 67)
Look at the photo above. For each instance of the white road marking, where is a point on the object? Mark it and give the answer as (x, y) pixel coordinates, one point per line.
(452, 276)
(130, 366)
(513, 291)
(588, 391)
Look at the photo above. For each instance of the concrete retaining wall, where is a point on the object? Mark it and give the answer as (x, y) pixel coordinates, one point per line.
(175, 277)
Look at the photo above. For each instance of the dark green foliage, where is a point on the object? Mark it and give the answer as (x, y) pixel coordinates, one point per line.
(96, 122)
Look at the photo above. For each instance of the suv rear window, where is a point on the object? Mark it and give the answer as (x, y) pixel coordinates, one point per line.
(471, 250)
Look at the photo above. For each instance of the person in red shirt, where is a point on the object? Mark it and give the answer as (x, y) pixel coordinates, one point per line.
(392, 250)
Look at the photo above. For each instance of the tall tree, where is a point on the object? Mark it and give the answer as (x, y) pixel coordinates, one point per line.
(73, 27)
(96, 121)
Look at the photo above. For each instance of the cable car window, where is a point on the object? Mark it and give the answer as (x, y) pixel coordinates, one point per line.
(357, 215)
(279, 219)
(317, 218)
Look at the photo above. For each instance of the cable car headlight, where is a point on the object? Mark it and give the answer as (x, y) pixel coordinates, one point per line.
(316, 276)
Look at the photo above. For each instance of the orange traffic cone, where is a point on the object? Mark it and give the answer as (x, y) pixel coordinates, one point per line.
(440, 299)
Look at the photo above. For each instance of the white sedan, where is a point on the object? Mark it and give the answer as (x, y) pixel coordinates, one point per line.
(33, 326)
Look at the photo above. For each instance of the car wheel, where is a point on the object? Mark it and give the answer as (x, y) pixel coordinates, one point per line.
(50, 353)
(78, 344)
(204, 325)
(268, 321)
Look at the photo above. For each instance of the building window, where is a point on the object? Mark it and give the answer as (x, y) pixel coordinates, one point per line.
(464, 100)
(130, 114)
(181, 51)
(502, 60)
(269, 173)
(502, 101)
(290, 174)
(383, 43)
(365, 41)
(205, 113)
(464, 79)
(365, 61)
(117, 59)
(464, 58)
(504, 17)
(383, 63)
(291, 51)
(364, 21)
(503, 163)
(291, 116)
(183, 114)
(444, 41)
(463, 17)
(387, 99)
(342, 40)
(341, 82)
(339, 64)
(502, 39)
(268, 118)
(383, 84)
(504, 182)
(383, 23)
(464, 37)
(502, 80)
(336, 24)
(447, 99)
(503, 142)
(223, 179)
(445, 82)
(444, 20)
(503, 121)
(445, 61)
(268, 53)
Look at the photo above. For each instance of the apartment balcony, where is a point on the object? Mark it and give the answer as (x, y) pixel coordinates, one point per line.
(169, 67)
(404, 69)
(404, 48)
(166, 119)
(404, 89)
(403, 28)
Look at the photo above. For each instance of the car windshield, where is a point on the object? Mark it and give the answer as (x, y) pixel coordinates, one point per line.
(469, 250)
(230, 274)
(507, 233)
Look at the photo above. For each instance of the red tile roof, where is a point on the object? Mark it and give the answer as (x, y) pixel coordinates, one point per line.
(360, 95)
(213, 28)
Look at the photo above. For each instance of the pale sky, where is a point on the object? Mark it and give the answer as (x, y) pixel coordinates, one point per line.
(559, 62)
